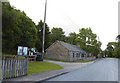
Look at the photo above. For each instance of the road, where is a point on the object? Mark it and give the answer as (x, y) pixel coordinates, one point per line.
(102, 70)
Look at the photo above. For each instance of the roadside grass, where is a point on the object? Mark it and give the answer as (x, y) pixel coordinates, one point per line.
(40, 67)
(56, 60)
(84, 61)
(81, 60)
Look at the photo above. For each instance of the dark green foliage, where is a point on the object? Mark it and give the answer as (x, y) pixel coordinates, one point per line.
(88, 41)
(57, 34)
(17, 29)
(72, 38)
(40, 35)
(28, 31)
(113, 48)
(110, 49)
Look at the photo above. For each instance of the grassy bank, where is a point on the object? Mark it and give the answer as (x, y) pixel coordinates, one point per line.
(81, 60)
(84, 61)
(39, 67)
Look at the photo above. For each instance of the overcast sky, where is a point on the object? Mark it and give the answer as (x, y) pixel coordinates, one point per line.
(71, 15)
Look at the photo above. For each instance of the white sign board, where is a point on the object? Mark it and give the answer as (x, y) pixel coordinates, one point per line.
(25, 50)
(22, 50)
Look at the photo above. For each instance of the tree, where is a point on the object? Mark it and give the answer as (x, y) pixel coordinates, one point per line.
(87, 41)
(118, 38)
(40, 35)
(9, 27)
(72, 38)
(116, 52)
(113, 49)
(118, 46)
(28, 31)
(17, 29)
(110, 49)
(57, 34)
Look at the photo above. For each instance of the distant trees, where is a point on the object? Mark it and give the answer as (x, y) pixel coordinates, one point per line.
(110, 48)
(20, 30)
(88, 41)
(113, 48)
(38, 44)
(118, 47)
(118, 38)
(72, 38)
(57, 34)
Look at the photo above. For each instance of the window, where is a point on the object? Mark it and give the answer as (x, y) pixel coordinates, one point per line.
(73, 55)
(82, 55)
(77, 55)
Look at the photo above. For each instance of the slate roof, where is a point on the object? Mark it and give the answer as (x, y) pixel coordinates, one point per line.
(72, 47)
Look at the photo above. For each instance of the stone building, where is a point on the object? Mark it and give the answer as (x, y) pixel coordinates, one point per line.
(64, 52)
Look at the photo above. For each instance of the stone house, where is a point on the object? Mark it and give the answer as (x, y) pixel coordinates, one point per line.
(65, 52)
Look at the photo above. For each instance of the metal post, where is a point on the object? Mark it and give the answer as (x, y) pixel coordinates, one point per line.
(43, 41)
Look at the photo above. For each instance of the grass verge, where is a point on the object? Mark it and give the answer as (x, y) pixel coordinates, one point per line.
(40, 67)
(84, 61)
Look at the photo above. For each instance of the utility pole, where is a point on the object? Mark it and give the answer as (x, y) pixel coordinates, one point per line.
(43, 39)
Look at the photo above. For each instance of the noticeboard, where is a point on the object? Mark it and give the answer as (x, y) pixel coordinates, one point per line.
(22, 50)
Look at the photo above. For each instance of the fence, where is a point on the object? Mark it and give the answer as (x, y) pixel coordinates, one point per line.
(13, 67)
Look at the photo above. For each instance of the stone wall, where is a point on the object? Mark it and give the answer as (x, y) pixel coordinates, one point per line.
(57, 52)
(75, 55)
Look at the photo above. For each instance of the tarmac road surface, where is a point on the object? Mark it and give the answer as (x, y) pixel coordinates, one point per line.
(102, 70)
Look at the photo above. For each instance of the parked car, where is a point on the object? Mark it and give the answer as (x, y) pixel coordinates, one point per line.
(39, 56)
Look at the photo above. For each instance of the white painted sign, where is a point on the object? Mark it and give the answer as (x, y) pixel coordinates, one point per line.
(25, 50)
(22, 50)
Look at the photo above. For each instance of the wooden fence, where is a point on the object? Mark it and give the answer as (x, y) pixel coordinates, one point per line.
(12, 67)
